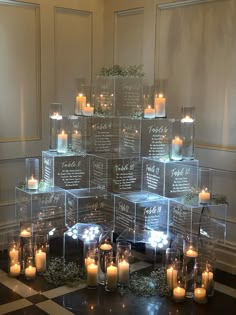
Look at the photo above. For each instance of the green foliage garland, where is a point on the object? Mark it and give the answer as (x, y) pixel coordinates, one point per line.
(122, 71)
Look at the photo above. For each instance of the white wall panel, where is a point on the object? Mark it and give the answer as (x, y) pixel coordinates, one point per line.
(73, 53)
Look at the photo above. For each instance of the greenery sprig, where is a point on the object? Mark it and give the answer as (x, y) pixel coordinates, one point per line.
(123, 71)
(60, 272)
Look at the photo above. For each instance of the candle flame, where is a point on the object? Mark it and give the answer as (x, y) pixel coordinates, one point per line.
(80, 94)
(88, 105)
(160, 95)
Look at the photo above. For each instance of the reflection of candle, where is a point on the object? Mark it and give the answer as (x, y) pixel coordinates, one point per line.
(25, 233)
(111, 277)
(88, 110)
(40, 261)
(30, 272)
(106, 246)
(176, 148)
(62, 142)
(32, 183)
(14, 255)
(207, 278)
(171, 277)
(160, 105)
(76, 141)
(178, 294)
(149, 112)
(80, 103)
(15, 270)
(204, 196)
(92, 273)
(191, 253)
(123, 271)
(200, 295)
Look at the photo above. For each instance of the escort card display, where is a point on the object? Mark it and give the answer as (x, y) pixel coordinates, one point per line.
(129, 136)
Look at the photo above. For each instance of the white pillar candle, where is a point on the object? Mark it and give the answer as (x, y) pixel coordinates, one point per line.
(200, 295)
(32, 183)
(88, 110)
(187, 119)
(204, 196)
(92, 275)
(15, 270)
(88, 261)
(160, 105)
(30, 272)
(56, 116)
(192, 253)
(62, 139)
(40, 261)
(123, 271)
(171, 277)
(111, 277)
(178, 294)
(14, 255)
(207, 277)
(149, 112)
(176, 148)
(80, 103)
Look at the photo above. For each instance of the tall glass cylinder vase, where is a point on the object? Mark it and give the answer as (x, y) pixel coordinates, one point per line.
(111, 274)
(55, 117)
(160, 97)
(176, 141)
(62, 139)
(14, 259)
(187, 132)
(172, 261)
(32, 173)
(41, 253)
(29, 262)
(190, 251)
(200, 284)
(105, 250)
(123, 252)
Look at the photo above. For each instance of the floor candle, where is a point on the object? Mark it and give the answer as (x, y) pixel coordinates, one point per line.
(111, 278)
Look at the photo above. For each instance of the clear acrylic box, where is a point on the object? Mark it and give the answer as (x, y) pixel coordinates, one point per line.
(168, 178)
(89, 206)
(115, 173)
(139, 213)
(68, 171)
(129, 136)
(45, 209)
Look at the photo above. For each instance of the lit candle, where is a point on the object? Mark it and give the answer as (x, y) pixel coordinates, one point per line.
(14, 254)
(106, 247)
(171, 277)
(88, 261)
(123, 271)
(92, 275)
(25, 233)
(207, 278)
(187, 119)
(32, 183)
(160, 106)
(40, 261)
(62, 139)
(204, 196)
(15, 270)
(111, 277)
(56, 116)
(30, 272)
(176, 149)
(178, 294)
(200, 295)
(88, 110)
(80, 103)
(149, 112)
(192, 253)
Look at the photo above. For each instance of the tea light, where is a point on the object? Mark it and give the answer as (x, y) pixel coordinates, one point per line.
(88, 110)
(32, 183)
(56, 116)
(149, 112)
(14, 254)
(62, 139)
(15, 270)
(25, 233)
(111, 277)
(123, 271)
(192, 253)
(106, 247)
(80, 103)
(200, 295)
(30, 272)
(187, 119)
(160, 105)
(171, 277)
(176, 148)
(40, 261)
(178, 294)
(204, 196)
(92, 274)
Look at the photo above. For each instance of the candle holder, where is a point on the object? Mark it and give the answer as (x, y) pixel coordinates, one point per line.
(111, 274)
(176, 141)
(62, 141)
(92, 270)
(105, 251)
(90, 250)
(160, 97)
(200, 284)
(80, 102)
(41, 253)
(172, 263)
(29, 263)
(190, 250)
(149, 112)
(187, 132)
(55, 116)
(88, 110)
(179, 290)
(14, 259)
(76, 141)
(123, 253)
(32, 173)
